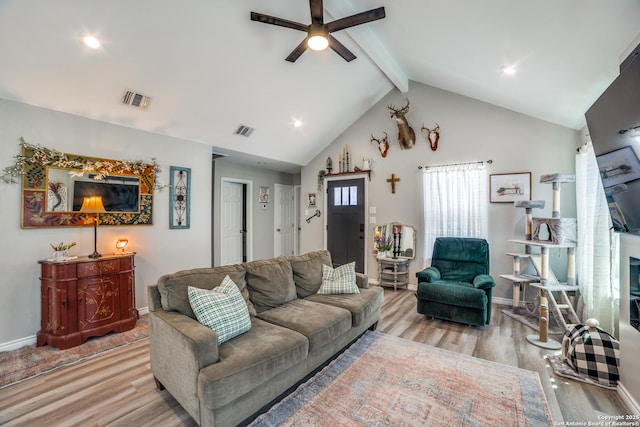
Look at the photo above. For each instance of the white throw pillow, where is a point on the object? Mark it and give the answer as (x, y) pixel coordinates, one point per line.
(222, 309)
(340, 280)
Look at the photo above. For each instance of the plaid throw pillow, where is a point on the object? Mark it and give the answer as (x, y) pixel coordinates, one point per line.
(341, 280)
(222, 309)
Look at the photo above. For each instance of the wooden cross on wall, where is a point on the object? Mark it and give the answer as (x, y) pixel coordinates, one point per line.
(393, 181)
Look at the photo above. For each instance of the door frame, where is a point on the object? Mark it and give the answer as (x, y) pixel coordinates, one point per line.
(248, 203)
(365, 208)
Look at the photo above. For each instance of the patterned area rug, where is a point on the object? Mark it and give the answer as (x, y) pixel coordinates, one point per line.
(384, 380)
(30, 361)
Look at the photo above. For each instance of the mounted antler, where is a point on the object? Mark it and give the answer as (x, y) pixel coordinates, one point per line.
(383, 144)
(406, 135)
(432, 135)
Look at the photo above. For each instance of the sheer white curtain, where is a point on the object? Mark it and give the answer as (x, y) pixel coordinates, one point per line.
(593, 254)
(455, 202)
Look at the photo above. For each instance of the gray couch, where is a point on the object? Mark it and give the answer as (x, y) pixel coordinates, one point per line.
(293, 331)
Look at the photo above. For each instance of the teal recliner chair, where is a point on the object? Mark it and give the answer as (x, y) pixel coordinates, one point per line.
(457, 286)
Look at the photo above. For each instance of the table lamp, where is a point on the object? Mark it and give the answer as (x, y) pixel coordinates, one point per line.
(93, 204)
(121, 244)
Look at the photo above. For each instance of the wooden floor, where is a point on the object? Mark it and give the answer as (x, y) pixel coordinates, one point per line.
(117, 388)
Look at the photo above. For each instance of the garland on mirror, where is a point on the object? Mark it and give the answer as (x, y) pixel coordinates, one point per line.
(43, 156)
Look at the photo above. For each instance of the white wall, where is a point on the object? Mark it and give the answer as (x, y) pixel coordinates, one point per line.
(159, 249)
(470, 130)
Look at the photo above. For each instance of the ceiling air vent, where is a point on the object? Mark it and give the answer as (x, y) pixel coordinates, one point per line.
(136, 100)
(244, 131)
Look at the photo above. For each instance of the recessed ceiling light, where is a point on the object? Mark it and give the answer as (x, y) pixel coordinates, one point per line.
(91, 42)
(508, 70)
(297, 123)
(262, 163)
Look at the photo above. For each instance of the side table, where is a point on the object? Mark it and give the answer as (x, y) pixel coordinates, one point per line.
(393, 272)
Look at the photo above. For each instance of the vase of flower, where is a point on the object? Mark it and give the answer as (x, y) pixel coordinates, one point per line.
(383, 244)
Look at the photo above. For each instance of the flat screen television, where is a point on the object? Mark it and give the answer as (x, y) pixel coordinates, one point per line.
(118, 195)
(614, 126)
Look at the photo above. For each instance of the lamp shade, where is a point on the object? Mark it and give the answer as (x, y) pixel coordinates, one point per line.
(318, 41)
(92, 204)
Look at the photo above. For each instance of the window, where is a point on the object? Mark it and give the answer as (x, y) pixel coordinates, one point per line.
(345, 196)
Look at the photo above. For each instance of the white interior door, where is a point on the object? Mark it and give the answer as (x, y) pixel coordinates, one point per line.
(231, 224)
(284, 218)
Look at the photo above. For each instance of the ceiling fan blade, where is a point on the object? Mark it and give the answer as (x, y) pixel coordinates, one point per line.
(317, 11)
(267, 19)
(299, 50)
(357, 19)
(340, 49)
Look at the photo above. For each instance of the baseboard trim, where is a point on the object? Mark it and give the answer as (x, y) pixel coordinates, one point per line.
(16, 344)
(628, 399)
(502, 301)
(21, 342)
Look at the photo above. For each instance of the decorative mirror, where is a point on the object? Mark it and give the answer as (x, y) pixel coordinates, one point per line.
(54, 185)
(401, 239)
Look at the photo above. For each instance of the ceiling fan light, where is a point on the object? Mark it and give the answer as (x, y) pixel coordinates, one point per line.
(318, 42)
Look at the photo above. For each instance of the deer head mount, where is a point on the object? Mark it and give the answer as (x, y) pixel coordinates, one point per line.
(406, 135)
(383, 144)
(432, 135)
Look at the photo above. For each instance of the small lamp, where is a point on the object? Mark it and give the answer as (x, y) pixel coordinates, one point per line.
(121, 244)
(93, 204)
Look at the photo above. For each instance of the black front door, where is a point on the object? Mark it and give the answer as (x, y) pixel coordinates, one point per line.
(345, 222)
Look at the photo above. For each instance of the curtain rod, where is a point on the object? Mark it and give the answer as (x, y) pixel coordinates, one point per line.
(457, 164)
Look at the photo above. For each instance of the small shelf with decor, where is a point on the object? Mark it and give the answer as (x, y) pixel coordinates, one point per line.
(393, 272)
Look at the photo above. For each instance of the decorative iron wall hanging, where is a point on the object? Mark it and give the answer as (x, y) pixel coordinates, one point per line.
(180, 198)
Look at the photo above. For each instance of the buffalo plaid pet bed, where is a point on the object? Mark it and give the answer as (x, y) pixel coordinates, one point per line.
(592, 354)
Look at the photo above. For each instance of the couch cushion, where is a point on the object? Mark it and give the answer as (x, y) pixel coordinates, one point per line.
(222, 309)
(307, 271)
(340, 280)
(360, 305)
(250, 359)
(452, 293)
(270, 283)
(173, 287)
(320, 323)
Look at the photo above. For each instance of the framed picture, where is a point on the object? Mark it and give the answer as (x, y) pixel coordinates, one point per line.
(311, 200)
(263, 196)
(619, 166)
(180, 198)
(510, 187)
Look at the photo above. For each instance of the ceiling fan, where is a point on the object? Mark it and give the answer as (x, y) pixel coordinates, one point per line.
(318, 33)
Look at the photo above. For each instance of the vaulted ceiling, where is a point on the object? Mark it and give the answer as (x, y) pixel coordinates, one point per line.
(209, 69)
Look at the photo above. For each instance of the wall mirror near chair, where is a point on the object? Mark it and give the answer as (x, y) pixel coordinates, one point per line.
(396, 240)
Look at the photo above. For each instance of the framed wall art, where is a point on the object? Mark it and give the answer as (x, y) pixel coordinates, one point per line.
(263, 196)
(180, 198)
(619, 166)
(510, 187)
(311, 200)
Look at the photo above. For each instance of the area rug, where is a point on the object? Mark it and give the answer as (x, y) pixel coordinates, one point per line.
(384, 380)
(30, 361)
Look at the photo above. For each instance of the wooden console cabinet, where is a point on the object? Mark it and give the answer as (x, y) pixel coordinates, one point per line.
(86, 297)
